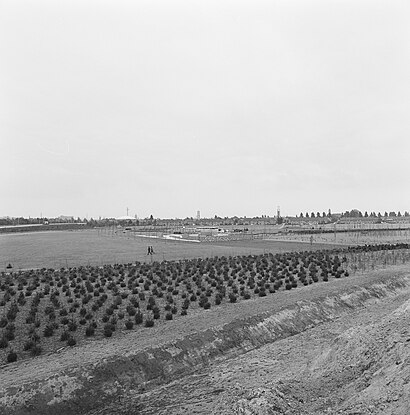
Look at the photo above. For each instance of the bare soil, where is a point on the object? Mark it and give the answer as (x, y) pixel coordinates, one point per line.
(357, 364)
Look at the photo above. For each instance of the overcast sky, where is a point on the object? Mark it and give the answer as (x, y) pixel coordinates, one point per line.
(227, 107)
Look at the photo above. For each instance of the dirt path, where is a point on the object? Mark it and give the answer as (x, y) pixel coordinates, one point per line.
(357, 364)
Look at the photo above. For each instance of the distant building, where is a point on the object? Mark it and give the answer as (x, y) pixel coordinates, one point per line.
(125, 218)
(63, 218)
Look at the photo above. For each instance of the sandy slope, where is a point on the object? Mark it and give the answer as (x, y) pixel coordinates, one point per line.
(358, 364)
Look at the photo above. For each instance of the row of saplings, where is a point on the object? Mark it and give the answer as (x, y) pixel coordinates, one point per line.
(99, 298)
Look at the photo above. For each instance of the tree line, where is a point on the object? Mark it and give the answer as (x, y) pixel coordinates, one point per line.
(354, 213)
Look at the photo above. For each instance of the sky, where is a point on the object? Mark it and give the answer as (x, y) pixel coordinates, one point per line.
(226, 107)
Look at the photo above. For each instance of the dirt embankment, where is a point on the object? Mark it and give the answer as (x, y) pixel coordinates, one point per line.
(103, 377)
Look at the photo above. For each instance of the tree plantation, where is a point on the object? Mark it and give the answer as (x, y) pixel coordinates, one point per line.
(44, 310)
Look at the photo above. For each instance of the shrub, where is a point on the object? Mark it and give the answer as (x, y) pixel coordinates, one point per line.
(168, 316)
(107, 331)
(113, 322)
(48, 331)
(72, 325)
(131, 310)
(64, 320)
(129, 325)
(9, 335)
(65, 335)
(139, 318)
(149, 322)
(3, 343)
(36, 350)
(71, 341)
(12, 356)
(232, 298)
(28, 345)
(89, 331)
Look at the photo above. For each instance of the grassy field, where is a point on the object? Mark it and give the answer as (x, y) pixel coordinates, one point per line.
(56, 249)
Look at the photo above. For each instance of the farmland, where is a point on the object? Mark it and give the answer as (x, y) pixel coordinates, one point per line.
(98, 289)
(45, 309)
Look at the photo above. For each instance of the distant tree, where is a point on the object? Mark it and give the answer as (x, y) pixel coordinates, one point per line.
(379, 215)
(399, 214)
(307, 215)
(385, 214)
(318, 214)
(366, 215)
(323, 214)
(301, 215)
(406, 214)
(312, 215)
(392, 214)
(354, 213)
